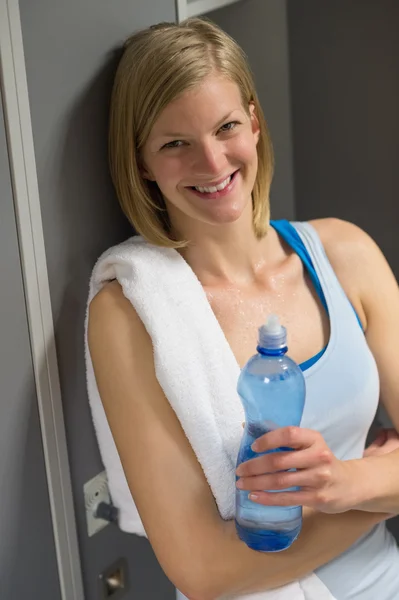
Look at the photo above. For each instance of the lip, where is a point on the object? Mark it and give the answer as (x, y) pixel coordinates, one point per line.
(214, 183)
(218, 194)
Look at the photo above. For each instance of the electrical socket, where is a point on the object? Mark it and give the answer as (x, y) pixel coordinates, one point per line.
(95, 491)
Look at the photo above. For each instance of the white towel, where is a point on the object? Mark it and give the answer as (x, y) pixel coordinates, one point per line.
(197, 370)
(308, 588)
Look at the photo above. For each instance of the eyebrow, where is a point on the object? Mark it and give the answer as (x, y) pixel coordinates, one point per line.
(179, 135)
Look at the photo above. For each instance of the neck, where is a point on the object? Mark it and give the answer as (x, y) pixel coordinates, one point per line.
(228, 253)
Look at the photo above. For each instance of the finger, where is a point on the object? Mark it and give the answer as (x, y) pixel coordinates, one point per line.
(373, 446)
(392, 434)
(283, 461)
(283, 498)
(312, 499)
(380, 438)
(309, 478)
(369, 451)
(287, 437)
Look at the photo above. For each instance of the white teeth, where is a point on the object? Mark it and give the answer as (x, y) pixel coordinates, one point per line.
(214, 188)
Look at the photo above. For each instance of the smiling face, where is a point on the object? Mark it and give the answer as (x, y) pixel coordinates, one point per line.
(202, 154)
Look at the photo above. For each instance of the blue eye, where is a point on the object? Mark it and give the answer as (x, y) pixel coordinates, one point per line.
(174, 144)
(229, 126)
(223, 129)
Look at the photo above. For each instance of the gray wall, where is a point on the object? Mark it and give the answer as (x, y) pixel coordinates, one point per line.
(345, 95)
(344, 59)
(25, 519)
(70, 59)
(260, 27)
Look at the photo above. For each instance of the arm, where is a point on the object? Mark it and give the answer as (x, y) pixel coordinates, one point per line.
(198, 551)
(373, 289)
(327, 484)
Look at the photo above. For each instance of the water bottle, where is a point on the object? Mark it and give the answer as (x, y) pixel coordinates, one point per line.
(272, 390)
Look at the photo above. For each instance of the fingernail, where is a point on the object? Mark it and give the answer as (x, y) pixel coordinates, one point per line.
(253, 496)
(254, 447)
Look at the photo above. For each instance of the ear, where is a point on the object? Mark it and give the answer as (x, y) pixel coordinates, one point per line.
(254, 121)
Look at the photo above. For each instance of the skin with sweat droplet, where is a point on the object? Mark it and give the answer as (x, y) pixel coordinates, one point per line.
(241, 308)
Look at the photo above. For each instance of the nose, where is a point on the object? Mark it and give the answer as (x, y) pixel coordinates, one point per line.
(209, 159)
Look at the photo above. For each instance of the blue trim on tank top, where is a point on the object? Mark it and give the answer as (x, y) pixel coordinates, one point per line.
(293, 239)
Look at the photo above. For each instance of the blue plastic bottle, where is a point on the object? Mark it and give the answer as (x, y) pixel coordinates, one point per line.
(272, 391)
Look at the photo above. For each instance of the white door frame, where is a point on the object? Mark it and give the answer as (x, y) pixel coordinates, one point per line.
(181, 10)
(19, 134)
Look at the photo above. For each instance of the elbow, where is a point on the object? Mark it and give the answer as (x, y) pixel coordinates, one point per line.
(203, 592)
(200, 583)
(202, 568)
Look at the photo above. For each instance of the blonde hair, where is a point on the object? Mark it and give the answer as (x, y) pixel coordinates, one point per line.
(158, 65)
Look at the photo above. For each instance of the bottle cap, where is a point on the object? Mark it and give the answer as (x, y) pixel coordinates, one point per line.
(272, 335)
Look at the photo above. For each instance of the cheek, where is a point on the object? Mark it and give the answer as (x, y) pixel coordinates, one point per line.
(245, 149)
(166, 172)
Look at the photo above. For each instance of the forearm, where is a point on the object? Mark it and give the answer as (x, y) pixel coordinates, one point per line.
(234, 569)
(378, 483)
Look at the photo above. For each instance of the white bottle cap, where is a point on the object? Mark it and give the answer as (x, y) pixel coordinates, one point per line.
(272, 335)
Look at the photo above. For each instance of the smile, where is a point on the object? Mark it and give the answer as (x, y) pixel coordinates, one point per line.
(214, 188)
(216, 191)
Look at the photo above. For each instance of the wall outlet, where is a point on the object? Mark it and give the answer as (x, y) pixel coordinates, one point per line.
(96, 491)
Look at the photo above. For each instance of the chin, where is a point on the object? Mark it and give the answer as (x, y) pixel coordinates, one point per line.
(214, 213)
(225, 216)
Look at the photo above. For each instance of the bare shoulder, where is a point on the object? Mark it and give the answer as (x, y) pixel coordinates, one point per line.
(119, 344)
(111, 314)
(356, 259)
(347, 245)
(109, 301)
(338, 235)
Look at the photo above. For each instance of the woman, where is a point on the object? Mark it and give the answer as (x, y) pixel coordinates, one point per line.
(191, 162)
